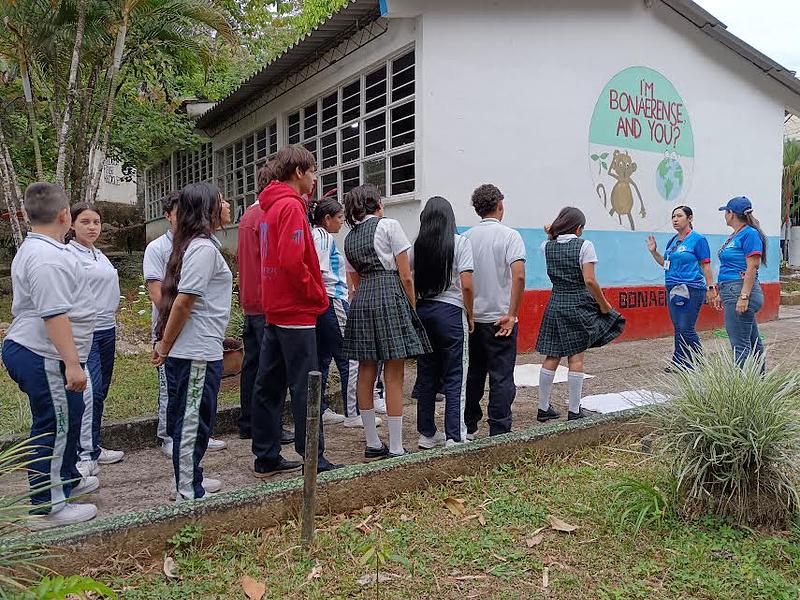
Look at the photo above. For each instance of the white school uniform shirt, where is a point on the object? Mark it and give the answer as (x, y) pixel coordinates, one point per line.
(495, 248)
(390, 240)
(156, 257)
(204, 274)
(48, 281)
(331, 263)
(462, 263)
(587, 255)
(104, 281)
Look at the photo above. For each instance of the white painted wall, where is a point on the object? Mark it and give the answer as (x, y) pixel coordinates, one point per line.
(507, 94)
(113, 188)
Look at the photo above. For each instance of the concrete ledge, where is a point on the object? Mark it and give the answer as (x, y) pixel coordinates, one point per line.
(344, 490)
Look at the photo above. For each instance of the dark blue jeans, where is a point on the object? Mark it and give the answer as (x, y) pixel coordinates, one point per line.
(330, 339)
(742, 329)
(100, 367)
(684, 313)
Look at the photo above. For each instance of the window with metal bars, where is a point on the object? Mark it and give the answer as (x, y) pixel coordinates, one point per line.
(364, 131)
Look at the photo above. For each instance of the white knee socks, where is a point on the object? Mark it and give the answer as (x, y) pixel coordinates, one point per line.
(575, 389)
(546, 377)
(396, 435)
(370, 429)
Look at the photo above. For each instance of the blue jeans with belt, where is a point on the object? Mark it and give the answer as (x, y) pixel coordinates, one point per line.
(684, 313)
(742, 328)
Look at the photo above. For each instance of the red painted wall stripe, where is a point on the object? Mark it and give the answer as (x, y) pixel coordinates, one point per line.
(644, 308)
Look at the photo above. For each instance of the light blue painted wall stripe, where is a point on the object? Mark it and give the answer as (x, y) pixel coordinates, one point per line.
(624, 259)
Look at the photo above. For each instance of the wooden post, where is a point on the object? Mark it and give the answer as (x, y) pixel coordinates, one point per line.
(310, 463)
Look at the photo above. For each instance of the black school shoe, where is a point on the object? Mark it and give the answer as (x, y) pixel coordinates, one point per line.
(327, 466)
(245, 435)
(547, 415)
(572, 416)
(283, 466)
(382, 452)
(287, 437)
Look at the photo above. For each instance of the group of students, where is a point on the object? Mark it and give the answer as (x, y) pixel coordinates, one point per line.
(451, 300)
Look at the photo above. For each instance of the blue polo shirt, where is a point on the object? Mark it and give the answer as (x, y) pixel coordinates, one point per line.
(685, 259)
(733, 254)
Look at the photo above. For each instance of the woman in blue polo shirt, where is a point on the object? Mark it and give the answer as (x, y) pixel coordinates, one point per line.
(687, 274)
(740, 294)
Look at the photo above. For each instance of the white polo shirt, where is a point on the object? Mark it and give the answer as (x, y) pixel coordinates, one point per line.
(104, 281)
(154, 265)
(48, 281)
(204, 274)
(462, 262)
(587, 253)
(495, 248)
(390, 240)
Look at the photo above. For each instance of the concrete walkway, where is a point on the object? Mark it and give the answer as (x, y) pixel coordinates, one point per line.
(144, 479)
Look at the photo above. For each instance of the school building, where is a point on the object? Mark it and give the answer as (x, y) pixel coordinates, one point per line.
(624, 108)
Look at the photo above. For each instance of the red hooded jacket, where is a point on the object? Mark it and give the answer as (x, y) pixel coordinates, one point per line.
(249, 258)
(292, 289)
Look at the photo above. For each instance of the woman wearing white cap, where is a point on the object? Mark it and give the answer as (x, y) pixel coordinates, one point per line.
(740, 294)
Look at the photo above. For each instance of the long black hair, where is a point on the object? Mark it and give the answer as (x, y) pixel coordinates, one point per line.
(361, 201)
(567, 221)
(434, 248)
(199, 214)
(751, 220)
(75, 212)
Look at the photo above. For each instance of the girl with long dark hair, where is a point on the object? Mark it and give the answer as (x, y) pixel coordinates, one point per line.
(192, 317)
(103, 279)
(577, 317)
(327, 217)
(740, 294)
(443, 281)
(382, 325)
(687, 275)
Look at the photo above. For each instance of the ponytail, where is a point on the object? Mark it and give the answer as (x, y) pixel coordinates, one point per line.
(361, 201)
(327, 207)
(750, 220)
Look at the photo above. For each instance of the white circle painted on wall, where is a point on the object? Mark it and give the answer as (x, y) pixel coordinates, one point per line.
(641, 149)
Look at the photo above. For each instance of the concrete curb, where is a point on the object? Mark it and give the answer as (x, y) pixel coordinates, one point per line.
(344, 490)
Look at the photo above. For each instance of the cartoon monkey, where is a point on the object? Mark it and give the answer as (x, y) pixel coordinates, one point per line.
(621, 195)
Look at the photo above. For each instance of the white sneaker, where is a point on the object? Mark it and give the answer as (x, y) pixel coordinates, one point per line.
(379, 402)
(109, 457)
(68, 515)
(166, 447)
(87, 467)
(426, 443)
(357, 422)
(331, 418)
(85, 486)
(214, 445)
(472, 436)
(210, 485)
(449, 443)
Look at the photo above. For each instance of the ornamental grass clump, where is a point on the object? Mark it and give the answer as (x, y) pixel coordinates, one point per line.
(732, 438)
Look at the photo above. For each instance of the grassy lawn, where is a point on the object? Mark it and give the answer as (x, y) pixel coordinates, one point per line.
(486, 546)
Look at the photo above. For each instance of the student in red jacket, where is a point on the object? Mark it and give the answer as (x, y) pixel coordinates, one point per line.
(293, 296)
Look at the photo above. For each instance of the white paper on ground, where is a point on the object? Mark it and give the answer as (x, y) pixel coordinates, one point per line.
(528, 375)
(607, 403)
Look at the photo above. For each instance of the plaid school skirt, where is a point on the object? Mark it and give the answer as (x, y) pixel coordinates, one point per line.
(381, 324)
(573, 323)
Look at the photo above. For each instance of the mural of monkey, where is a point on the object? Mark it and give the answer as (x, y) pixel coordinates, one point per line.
(621, 169)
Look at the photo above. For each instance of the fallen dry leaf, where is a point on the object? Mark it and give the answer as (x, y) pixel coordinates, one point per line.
(535, 540)
(456, 506)
(481, 520)
(254, 590)
(559, 525)
(316, 572)
(545, 577)
(169, 567)
(457, 480)
(370, 579)
(367, 510)
(404, 517)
